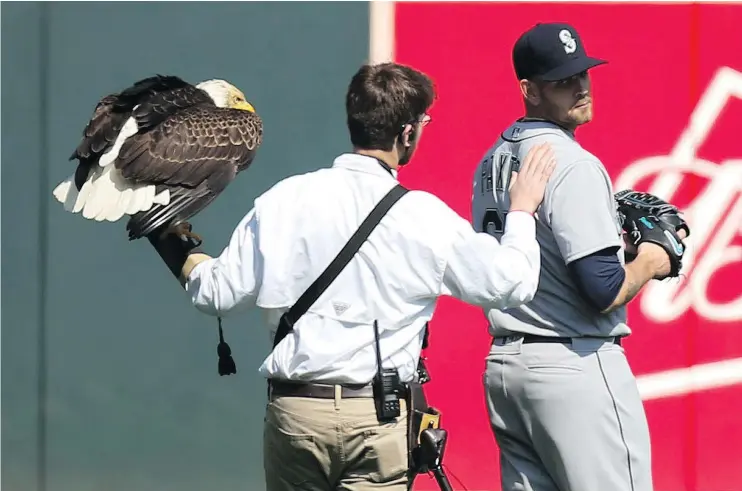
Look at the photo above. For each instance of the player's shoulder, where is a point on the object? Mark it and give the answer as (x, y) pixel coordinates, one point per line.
(526, 134)
(523, 135)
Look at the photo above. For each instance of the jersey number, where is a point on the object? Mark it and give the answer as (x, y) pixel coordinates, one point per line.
(494, 221)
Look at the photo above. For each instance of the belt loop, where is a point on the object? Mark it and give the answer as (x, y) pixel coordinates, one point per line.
(338, 395)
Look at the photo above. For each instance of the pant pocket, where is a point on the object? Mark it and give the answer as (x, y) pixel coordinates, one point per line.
(286, 441)
(554, 368)
(386, 451)
(556, 359)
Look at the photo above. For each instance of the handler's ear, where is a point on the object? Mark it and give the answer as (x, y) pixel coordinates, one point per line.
(407, 135)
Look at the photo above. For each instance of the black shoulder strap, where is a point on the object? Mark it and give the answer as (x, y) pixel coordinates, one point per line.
(286, 324)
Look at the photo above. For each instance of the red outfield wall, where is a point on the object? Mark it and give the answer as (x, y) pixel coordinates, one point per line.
(668, 119)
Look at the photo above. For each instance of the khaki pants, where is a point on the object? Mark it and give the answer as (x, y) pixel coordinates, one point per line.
(332, 444)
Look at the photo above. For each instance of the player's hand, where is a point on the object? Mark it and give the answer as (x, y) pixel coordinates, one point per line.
(528, 185)
(657, 257)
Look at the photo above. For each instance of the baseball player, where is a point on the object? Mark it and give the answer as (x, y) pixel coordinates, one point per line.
(562, 400)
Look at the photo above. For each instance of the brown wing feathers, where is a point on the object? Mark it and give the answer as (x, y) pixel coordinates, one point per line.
(158, 107)
(98, 136)
(157, 96)
(102, 129)
(195, 153)
(184, 202)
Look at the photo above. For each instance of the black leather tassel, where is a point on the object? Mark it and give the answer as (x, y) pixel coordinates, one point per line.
(226, 363)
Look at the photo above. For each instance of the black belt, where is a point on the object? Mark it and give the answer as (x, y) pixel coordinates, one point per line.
(321, 391)
(533, 338)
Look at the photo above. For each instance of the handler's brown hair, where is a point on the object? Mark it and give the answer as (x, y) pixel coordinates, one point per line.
(381, 99)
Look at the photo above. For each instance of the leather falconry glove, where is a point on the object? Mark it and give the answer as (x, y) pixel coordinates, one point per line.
(175, 245)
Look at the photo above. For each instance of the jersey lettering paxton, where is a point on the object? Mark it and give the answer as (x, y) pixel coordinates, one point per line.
(493, 221)
(714, 215)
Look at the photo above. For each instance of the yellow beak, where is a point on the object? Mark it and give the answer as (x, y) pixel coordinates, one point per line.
(244, 106)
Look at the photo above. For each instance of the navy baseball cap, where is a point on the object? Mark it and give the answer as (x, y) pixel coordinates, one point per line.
(551, 51)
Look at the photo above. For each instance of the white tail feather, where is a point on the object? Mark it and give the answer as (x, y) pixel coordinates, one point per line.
(97, 200)
(162, 198)
(106, 195)
(66, 193)
(125, 199)
(83, 194)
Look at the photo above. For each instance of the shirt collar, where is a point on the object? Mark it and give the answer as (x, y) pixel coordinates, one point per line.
(540, 123)
(364, 163)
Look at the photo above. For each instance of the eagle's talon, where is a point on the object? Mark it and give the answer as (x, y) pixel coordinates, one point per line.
(184, 231)
(195, 237)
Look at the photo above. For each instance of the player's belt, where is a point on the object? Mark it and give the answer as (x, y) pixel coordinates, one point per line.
(533, 338)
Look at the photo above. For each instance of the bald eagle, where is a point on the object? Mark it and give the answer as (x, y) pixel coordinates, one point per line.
(161, 151)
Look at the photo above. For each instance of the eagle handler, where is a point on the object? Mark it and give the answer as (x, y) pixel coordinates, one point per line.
(348, 265)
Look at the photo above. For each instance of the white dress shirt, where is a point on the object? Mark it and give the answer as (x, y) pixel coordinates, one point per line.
(421, 250)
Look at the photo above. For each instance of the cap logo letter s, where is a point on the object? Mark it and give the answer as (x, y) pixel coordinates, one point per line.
(570, 45)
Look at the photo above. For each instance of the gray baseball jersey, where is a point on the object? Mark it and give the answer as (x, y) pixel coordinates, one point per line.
(577, 217)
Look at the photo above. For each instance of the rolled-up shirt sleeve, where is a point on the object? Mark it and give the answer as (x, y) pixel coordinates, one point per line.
(230, 281)
(484, 272)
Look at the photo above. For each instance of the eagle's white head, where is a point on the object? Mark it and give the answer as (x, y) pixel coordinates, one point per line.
(225, 94)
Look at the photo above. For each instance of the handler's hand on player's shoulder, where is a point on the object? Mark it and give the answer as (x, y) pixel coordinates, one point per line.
(528, 185)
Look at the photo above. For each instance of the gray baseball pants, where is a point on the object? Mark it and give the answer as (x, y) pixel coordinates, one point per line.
(567, 417)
